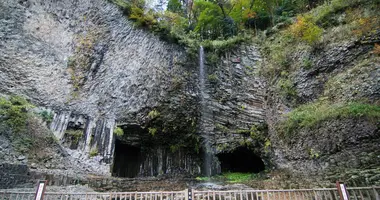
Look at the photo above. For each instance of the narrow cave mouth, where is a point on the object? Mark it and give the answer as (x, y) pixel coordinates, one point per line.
(127, 160)
(241, 160)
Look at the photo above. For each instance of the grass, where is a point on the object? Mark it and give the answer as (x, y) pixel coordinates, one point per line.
(236, 177)
(230, 177)
(309, 115)
(94, 152)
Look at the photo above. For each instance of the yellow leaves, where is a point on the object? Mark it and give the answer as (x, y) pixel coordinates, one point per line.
(306, 29)
(376, 49)
(366, 25)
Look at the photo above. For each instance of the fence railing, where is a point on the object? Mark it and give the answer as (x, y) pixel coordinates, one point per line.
(358, 193)
(362, 193)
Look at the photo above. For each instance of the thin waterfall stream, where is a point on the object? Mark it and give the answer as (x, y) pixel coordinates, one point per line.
(207, 162)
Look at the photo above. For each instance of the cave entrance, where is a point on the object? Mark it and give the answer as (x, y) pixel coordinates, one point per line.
(127, 160)
(241, 160)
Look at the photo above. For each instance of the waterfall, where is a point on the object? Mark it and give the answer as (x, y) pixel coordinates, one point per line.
(207, 160)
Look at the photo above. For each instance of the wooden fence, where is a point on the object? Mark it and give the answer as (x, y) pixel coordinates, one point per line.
(358, 193)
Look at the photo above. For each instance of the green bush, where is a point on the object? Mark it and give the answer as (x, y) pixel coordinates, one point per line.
(14, 113)
(213, 78)
(153, 114)
(152, 131)
(118, 131)
(306, 29)
(46, 116)
(286, 88)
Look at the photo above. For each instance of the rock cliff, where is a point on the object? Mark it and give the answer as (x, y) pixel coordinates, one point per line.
(85, 63)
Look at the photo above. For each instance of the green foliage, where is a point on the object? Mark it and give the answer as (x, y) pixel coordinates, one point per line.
(14, 113)
(237, 177)
(47, 116)
(222, 45)
(153, 114)
(309, 115)
(231, 177)
(93, 152)
(24, 128)
(267, 144)
(242, 107)
(306, 29)
(322, 15)
(313, 153)
(222, 128)
(152, 131)
(118, 131)
(213, 78)
(75, 135)
(286, 88)
(174, 6)
(124, 6)
(307, 63)
(176, 147)
(210, 19)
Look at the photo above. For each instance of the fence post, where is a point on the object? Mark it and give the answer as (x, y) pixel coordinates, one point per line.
(343, 194)
(315, 195)
(40, 191)
(187, 194)
(375, 192)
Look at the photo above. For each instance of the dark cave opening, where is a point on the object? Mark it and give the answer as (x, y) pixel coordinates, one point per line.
(127, 160)
(241, 160)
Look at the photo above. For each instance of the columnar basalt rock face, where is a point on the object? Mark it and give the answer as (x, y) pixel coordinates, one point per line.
(236, 97)
(86, 62)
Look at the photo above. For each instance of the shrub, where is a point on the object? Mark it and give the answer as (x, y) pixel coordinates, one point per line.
(307, 63)
(118, 131)
(153, 114)
(213, 78)
(286, 88)
(152, 131)
(366, 25)
(306, 29)
(14, 113)
(376, 49)
(46, 116)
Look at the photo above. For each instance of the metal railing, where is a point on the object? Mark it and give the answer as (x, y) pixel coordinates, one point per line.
(358, 193)
(177, 195)
(362, 193)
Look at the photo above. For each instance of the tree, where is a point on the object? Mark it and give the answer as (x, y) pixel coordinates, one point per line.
(209, 20)
(175, 6)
